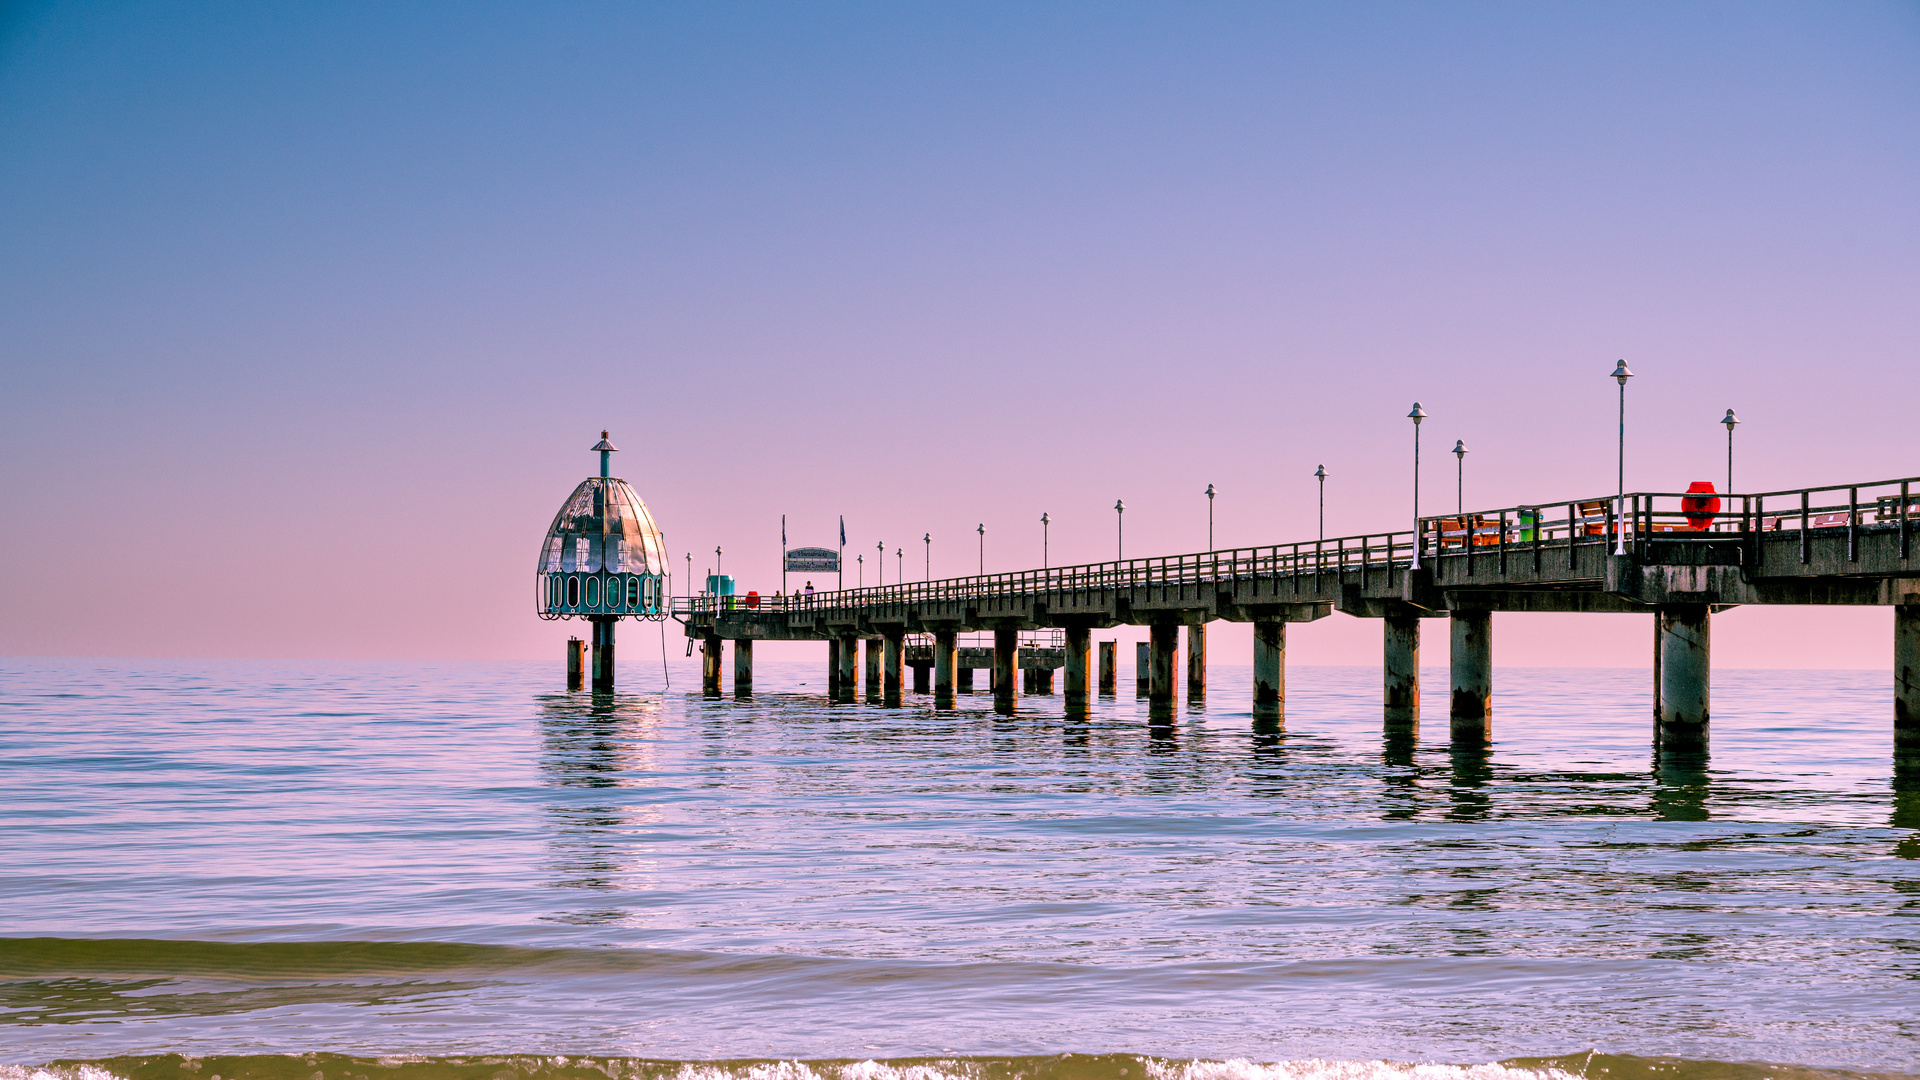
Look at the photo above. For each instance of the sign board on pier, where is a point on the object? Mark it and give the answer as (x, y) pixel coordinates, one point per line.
(813, 560)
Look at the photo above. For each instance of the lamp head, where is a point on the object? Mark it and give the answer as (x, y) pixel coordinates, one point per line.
(1730, 420)
(1418, 414)
(1621, 374)
(1460, 448)
(1320, 472)
(1119, 507)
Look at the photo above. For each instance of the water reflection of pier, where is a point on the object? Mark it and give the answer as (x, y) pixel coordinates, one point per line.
(592, 748)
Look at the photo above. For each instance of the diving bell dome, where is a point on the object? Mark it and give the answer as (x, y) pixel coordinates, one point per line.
(603, 554)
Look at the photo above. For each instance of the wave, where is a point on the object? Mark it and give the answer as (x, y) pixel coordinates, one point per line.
(1591, 1066)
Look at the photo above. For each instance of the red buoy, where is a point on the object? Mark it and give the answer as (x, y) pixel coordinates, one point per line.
(1701, 508)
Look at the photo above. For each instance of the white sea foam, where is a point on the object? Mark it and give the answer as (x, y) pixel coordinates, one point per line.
(1320, 1069)
(73, 1072)
(800, 1070)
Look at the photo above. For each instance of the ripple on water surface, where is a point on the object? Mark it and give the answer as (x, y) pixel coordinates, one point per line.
(453, 859)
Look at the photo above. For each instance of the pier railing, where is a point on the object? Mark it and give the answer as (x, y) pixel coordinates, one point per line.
(1632, 522)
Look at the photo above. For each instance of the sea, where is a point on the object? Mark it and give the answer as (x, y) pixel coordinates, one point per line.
(307, 870)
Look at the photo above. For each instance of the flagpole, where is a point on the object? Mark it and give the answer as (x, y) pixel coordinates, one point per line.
(783, 554)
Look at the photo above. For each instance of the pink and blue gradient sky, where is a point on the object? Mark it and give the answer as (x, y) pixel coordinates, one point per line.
(311, 310)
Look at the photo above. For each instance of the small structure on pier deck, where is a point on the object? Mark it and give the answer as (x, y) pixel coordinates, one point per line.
(603, 560)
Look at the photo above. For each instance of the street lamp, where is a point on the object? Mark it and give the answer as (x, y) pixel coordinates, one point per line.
(1320, 474)
(1460, 479)
(880, 564)
(900, 566)
(716, 568)
(929, 540)
(689, 573)
(861, 562)
(1209, 517)
(983, 548)
(1119, 530)
(1044, 520)
(1418, 414)
(1621, 375)
(1730, 420)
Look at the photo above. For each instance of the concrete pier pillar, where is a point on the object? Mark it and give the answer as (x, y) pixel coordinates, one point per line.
(963, 680)
(1685, 665)
(1270, 673)
(603, 653)
(1402, 670)
(875, 691)
(743, 668)
(576, 664)
(1076, 687)
(922, 678)
(1029, 680)
(890, 678)
(1109, 668)
(1196, 662)
(1471, 653)
(1043, 680)
(1006, 665)
(944, 654)
(1142, 668)
(1906, 680)
(849, 669)
(710, 666)
(833, 669)
(1163, 661)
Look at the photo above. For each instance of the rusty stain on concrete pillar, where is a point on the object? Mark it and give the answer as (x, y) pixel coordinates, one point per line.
(1196, 662)
(1402, 669)
(1471, 661)
(1270, 673)
(743, 668)
(1686, 663)
(576, 664)
(849, 669)
(944, 653)
(890, 678)
(1163, 662)
(710, 666)
(1076, 669)
(1906, 680)
(1006, 665)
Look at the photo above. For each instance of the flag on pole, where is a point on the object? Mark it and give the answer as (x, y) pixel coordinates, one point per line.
(783, 530)
(843, 530)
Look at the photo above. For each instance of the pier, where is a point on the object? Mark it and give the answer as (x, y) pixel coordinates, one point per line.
(1677, 557)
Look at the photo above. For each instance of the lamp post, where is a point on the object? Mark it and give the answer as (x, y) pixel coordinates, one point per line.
(717, 572)
(880, 564)
(1044, 520)
(1460, 479)
(1730, 420)
(1209, 517)
(1621, 375)
(1418, 414)
(689, 573)
(900, 566)
(1119, 530)
(983, 548)
(1320, 474)
(929, 542)
(861, 562)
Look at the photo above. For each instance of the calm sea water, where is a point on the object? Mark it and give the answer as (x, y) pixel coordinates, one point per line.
(350, 871)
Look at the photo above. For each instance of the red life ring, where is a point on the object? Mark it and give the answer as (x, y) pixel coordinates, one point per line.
(1700, 509)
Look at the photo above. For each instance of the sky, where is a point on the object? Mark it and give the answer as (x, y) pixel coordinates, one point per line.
(310, 312)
